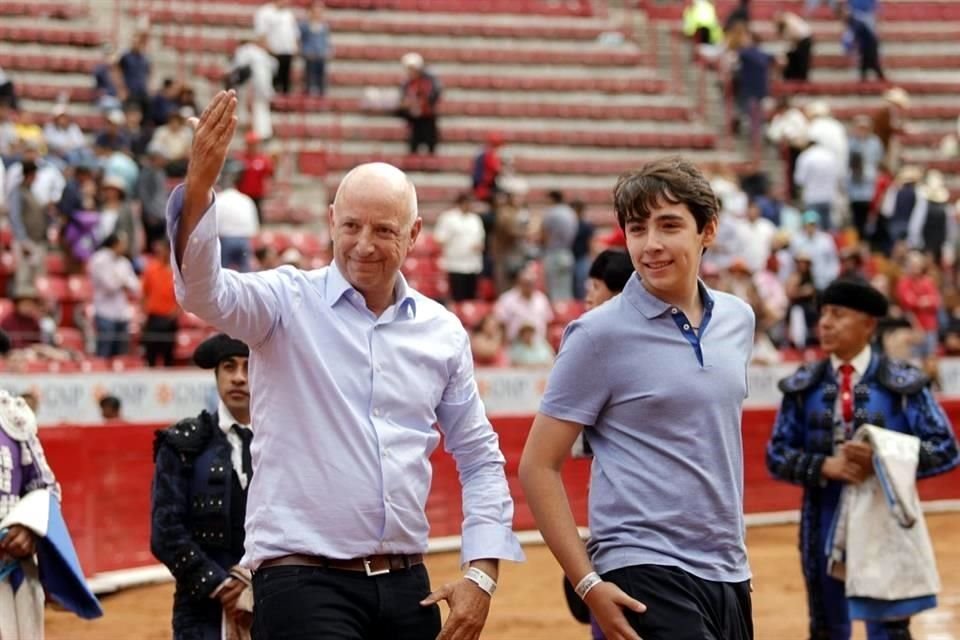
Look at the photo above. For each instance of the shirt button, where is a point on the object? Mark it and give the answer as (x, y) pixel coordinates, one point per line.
(674, 311)
(376, 412)
(686, 327)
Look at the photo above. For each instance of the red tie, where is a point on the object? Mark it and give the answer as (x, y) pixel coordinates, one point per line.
(846, 391)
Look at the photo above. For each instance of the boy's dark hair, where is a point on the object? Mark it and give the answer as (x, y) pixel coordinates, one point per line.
(613, 267)
(670, 180)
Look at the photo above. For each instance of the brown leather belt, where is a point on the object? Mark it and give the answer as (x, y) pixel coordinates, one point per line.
(371, 565)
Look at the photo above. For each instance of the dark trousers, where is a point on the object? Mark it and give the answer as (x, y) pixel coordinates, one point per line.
(423, 132)
(860, 211)
(308, 603)
(113, 337)
(315, 78)
(463, 286)
(281, 80)
(798, 61)
(681, 606)
(158, 339)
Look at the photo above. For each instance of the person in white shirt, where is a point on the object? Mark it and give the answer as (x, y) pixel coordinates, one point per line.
(64, 138)
(460, 232)
(237, 222)
(826, 130)
(757, 237)
(283, 41)
(253, 54)
(820, 247)
(114, 284)
(818, 175)
(263, 18)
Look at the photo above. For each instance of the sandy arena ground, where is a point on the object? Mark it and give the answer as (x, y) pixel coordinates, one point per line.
(530, 606)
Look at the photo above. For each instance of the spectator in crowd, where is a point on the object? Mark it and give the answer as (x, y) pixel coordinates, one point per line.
(316, 49)
(106, 76)
(487, 342)
(175, 138)
(529, 349)
(64, 138)
(460, 233)
(788, 128)
(28, 132)
(113, 136)
(802, 294)
(30, 225)
(582, 255)
(8, 91)
(559, 231)
(799, 36)
(237, 221)
(263, 18)
(890, 122)
(867, 43)
(826, 130)
(899, 203)
(110, 407)
(138, 135)
(509, 248)
(608, 275)
(283, 42)
(753, 84)
(135, 66)
(486, 168)
(187, 98)
(22, 324)
(257, 169)
(757, 233)
(267, 258)
(8, 135)
(919, 297)
(152, 194)
(524, 303)
(117, 215)
(933, 226)
(159, 335)
(253, 63)
(114, 284)
(419, 96)
(700, 22)
(819, 177)
(164, 103)
(820, 247)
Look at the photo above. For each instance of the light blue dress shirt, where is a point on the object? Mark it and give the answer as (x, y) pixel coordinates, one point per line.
(344, 406)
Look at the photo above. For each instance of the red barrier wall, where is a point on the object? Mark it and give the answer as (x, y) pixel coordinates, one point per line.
(106, 472)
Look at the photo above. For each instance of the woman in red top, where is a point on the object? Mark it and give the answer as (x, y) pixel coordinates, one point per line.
(920, 300)
(257, 170)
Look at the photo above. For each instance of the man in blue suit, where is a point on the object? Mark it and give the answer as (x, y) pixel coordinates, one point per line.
(823, 405)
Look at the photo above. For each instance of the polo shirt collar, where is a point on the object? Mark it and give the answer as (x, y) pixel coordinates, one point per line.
(650, 305)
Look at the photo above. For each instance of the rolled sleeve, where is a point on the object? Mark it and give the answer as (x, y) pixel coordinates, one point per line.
(247, 306)
(474, 445)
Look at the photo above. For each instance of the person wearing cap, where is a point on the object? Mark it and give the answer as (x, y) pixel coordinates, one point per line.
(824, 403)
(354, 370)
(202, 474)
(655, 378)
(419, 95)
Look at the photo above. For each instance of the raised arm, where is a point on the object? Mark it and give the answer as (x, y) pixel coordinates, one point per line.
(246, 306)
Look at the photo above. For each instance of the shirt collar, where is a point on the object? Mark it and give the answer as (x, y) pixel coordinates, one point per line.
(337, 287)
(860, 361)
(226, 419)
(650, 305)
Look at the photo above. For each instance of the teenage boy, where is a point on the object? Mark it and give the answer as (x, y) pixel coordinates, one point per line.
(660, 374)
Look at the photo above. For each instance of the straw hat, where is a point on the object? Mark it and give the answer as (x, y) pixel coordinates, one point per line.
(817, 109)
(412, 60)
(897, 96)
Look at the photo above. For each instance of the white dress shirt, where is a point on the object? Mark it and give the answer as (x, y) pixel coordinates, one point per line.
(226, 422)
(346, 409)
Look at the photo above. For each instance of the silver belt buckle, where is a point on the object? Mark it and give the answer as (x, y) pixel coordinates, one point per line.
(371, 572)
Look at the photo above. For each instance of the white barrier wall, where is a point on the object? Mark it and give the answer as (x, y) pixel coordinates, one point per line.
(151, 395)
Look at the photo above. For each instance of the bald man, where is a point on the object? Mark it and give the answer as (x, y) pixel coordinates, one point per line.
(353, 371)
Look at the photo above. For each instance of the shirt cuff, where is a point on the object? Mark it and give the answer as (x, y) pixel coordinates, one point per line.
(567, 414)
(483, 541)
(203, 246)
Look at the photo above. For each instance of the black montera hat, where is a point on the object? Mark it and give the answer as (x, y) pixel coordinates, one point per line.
(218, 348)
(855, 294)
